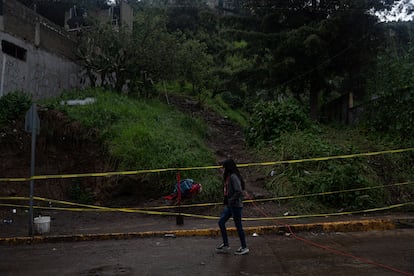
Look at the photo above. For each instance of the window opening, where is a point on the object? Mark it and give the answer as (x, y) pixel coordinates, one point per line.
(13, 50)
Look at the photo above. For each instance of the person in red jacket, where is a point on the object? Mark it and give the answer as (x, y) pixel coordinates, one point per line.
(233, 200)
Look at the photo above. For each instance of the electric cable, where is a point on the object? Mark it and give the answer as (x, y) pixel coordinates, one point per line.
(335, 251)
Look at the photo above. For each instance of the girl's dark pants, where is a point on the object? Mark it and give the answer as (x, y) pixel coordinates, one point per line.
(236, 213)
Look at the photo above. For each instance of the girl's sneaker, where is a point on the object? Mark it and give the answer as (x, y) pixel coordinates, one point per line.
(223, 248)
(241, 251)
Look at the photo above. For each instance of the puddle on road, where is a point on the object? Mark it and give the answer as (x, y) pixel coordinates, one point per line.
(108, 270)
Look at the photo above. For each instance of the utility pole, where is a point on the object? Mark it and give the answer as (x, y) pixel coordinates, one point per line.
(32, 125)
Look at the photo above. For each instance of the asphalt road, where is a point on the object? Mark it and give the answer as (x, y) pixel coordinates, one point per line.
(269, 255)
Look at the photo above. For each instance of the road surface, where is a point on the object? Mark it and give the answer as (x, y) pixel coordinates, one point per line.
(392, 251)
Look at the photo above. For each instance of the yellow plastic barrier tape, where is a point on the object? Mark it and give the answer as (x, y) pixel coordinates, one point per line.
(92, 207)
(142, 211)
(215, 218)
(338, 213)
(106, 209)
(325, 158)
(107, 174)
(329, 193)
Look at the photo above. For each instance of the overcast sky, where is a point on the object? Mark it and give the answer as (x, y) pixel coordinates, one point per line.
(402, 11)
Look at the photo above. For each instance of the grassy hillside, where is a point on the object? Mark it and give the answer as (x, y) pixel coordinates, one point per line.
(145, 134)
(374, 180)
(148, 134)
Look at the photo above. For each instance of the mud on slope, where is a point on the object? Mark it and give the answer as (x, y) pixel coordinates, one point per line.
(66, 147)
(226, 139)
(62, 147)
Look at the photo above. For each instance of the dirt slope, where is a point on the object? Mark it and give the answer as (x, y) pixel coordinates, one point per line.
(62, 147)
(227, 140)
(65, 147)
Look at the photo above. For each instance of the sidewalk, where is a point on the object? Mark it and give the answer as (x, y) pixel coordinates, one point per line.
(76, 226)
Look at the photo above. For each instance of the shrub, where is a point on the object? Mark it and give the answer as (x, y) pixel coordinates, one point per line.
(392, 114)
(13, 105)
(269, 120)
(324, 176)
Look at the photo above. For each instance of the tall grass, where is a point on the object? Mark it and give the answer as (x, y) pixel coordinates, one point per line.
(337, 174)
(224, 110)
(146, 134)
(215, 103)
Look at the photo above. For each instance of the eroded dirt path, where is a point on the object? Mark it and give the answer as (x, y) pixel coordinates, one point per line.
(226, 139)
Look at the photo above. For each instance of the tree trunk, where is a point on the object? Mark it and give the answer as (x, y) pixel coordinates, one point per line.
(314, 99)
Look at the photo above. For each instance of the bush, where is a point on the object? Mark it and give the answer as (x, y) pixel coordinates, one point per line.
(13, 105)
(392, 114)
(269, 120)
(79, 194)
(324, 176)
(232, 100)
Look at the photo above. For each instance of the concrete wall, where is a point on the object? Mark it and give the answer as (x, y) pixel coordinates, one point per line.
(124, 16)
(42, 74)
(48, 67)
(127, 15)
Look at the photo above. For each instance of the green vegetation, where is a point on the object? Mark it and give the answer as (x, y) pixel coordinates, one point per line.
(270, 119)
(338, 174)
(140, 135)
(12, 106)
(146, 134)
(271, 68)
(79, 194)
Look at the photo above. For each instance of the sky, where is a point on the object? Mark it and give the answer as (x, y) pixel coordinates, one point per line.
(402, 11)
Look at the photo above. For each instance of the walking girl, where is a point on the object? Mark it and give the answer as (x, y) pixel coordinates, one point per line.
(233, 205)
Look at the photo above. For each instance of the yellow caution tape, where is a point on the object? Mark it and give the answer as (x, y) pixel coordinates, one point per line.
(215, 218)
(279, 198)
(325, 158)
(329, 193)
(338, 213)
(94, 207)
(108, 174)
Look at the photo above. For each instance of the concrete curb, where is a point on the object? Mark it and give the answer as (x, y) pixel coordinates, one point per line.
(341, 226)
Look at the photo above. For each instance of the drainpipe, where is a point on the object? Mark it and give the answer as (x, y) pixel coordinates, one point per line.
(3, 69)
(37, 34)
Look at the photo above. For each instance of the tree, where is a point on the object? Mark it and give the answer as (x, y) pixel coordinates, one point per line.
(105, 55)
(264, 7)
(155, 49)
(312, 43)
(195, 65)
(141, 58)
(392, 89)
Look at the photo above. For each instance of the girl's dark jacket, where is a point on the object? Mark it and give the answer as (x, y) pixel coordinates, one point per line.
(234, 193)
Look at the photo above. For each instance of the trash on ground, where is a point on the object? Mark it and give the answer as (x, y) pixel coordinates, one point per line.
(79, 102)
(289, 214)
(188, 189)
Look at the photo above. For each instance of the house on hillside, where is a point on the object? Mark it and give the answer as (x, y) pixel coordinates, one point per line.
(116, 15)
(36, 54)
(38, 44)
(222, 6)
